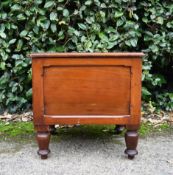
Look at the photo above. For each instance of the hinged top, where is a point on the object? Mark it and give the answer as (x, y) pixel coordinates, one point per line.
(81, 55)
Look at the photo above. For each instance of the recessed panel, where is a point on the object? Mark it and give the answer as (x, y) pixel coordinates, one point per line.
(86, 90)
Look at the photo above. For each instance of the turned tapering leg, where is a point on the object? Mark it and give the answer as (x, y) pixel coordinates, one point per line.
(131, 139)
(119, 129)
(43, 139)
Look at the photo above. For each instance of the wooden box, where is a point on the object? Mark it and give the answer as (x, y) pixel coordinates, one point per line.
(86, 88)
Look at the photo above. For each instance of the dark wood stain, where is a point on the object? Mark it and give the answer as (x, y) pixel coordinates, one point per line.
(86, 88)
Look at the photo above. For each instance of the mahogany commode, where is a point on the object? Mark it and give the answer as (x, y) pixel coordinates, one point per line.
(86, 88)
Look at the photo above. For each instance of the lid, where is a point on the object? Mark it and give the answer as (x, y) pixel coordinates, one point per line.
(82, 54)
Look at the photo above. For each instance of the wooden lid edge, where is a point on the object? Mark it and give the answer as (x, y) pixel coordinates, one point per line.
(82, 54)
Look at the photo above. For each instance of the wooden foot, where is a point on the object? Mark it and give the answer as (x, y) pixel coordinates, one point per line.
(131, 138)
(53, 130)
(43, 139)
(119, 129)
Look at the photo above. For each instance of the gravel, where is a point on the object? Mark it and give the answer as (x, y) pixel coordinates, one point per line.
(88, 156)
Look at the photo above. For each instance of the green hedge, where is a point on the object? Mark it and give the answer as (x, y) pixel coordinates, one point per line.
(85, 26)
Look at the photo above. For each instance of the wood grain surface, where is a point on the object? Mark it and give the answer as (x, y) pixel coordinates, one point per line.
(83, 55)
(87, 90)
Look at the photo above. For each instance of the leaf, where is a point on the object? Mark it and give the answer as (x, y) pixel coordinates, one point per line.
(14, 88)
(46, 24)
(120, 22)
(61, 35)
(38, 1)
(88, 44)
(65, 13)
(16, 7)
(128, 43)
(23, 33)
(145, 20)
(118, 14)
(111, 45)
(135, 16)
(82, 26)
(53, 16)
(89, 2)
(12, 41)
(103, 37)
(29, 93)
(154, 48)
(19, 45)
(49, 4)
(53, 28)
(145, 92)
(159, 20)
(2, 65)
(133, 42)
(2, 34)
(21, 17)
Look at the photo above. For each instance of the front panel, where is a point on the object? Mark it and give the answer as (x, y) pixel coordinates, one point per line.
(86, 90)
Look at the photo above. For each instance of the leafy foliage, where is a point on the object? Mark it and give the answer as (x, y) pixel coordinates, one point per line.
(84, 26)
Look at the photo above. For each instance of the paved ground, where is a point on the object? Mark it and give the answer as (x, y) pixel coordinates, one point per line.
(88, 156)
